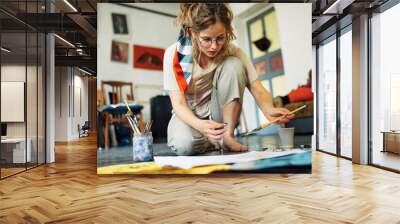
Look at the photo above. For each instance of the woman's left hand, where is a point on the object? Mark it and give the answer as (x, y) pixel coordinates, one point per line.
(274, 113)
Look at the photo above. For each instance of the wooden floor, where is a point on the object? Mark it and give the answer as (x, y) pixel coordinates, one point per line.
(70, 191)
(10, 171)
(386, 159)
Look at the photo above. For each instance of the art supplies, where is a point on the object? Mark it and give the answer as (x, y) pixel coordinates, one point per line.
(143, 147)
(187, 162)
(130, 113)
(142, 142)
(132, 120)
(220, 143)
(267, 124)
(286, 136)
(148, 126)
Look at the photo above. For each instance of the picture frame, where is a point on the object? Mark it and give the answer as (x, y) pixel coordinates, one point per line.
(150, 58)
(120, 24)
(119, 51)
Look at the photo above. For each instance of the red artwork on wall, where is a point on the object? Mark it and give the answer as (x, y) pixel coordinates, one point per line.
(148, 57)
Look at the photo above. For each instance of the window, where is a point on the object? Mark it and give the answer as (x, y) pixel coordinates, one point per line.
(22, 66)
(346, 93)
(385, 88)
(327, 95)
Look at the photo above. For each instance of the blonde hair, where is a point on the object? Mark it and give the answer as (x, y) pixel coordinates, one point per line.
(199, 16)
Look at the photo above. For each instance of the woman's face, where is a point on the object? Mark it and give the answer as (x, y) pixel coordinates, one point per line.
(212, 39)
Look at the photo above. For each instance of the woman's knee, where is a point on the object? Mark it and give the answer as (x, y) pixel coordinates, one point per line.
(183, 147)
(180, 137)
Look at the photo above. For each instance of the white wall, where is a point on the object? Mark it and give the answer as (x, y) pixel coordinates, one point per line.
(145, 28)
(67, 112)
(295, 31)
(61, 103)
(294, 22)
(33, 127)
(16, 73)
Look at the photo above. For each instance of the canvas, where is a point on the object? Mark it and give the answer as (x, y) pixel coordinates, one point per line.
(150, 135)
(119, 51)
(150, 58)
(120, 25)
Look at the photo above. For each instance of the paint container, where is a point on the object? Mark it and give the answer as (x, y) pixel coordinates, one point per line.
(143, 147)
(287, 137)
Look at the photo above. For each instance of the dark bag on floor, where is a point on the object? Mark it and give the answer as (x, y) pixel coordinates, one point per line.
(161, 109)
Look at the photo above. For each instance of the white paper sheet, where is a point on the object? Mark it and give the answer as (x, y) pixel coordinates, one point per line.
(187, 162)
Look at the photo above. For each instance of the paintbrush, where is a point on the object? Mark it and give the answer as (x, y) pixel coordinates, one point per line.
(151, 123)
(131, 124)
(134, 124)
(134, 120)
(130, 113)
(267, 124)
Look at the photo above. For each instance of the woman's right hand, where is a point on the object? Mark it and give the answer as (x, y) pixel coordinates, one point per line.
(212, 130)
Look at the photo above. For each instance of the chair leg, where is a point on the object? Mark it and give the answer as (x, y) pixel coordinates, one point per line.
(106, 133)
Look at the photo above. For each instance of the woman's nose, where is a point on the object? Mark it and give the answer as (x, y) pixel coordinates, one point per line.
(214, 44)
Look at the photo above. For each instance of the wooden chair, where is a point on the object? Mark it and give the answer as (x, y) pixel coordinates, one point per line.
(116, 91)
(116, 96)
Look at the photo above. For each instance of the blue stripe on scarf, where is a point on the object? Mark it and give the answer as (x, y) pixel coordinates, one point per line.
(185, 60)
(187, 74)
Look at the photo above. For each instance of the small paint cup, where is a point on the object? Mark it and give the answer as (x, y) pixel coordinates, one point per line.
(287, 137)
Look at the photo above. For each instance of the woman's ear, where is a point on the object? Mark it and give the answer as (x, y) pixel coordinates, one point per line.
(190, 31)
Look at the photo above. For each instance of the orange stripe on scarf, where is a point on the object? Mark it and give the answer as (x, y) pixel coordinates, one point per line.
(180, 77)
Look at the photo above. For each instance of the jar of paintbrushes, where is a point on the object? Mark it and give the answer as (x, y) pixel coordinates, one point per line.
(142, 140)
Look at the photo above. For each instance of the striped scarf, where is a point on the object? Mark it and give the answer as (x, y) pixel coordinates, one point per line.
(183, 61)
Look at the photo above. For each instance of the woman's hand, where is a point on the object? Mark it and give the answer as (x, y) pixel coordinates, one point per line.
(212, 130)
(274, 113)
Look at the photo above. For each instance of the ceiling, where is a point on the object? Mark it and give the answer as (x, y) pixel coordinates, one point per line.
(76, 22)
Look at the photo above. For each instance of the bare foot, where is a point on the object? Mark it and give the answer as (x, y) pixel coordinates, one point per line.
(234, 146)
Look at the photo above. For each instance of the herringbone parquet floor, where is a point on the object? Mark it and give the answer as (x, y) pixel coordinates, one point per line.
(70, 191)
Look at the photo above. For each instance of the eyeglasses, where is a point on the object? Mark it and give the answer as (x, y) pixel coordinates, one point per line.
(207, 42)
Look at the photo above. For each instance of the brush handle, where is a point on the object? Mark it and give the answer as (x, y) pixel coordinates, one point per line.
(266, 124)
(281, 117)
(127, 106)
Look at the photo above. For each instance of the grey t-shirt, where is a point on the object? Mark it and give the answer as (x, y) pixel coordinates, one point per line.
(198, 93)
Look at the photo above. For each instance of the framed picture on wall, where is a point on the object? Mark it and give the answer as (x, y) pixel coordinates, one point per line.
(148, 57)
(276, 63)
(120, 24)
(261, 67)
(119, 51)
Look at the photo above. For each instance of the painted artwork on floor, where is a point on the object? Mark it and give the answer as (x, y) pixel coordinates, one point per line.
(150, 58)
(119, 51)
(147, 134)
(120, 24)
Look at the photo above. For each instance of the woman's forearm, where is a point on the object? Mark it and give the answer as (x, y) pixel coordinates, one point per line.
(182, 110)
(262, 97)
(186, 115)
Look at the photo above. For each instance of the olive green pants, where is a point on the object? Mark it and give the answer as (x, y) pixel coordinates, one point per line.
(229, 82)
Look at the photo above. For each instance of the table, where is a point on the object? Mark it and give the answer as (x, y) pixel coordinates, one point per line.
(17, 150)
(391, 141)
